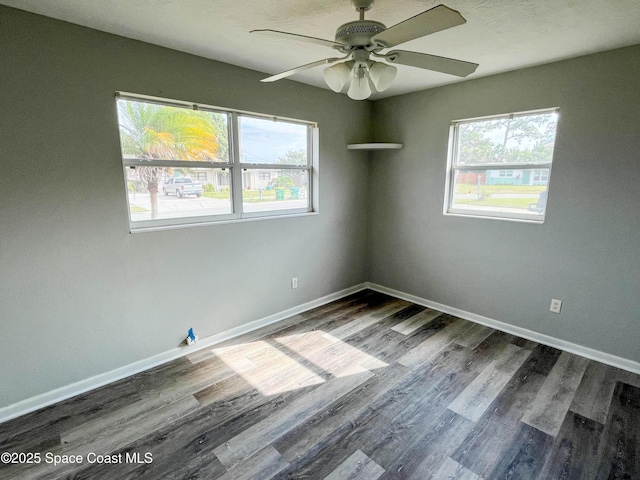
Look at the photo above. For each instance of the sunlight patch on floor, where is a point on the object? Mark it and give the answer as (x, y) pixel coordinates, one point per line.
(272, 369)
(267, 368)
(328, 352)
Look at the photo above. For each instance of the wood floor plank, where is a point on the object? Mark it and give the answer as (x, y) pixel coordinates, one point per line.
(84, 440)
(525, 455)
(336, 358)
(260, 435)
(357, 467)
(620, 450)
(476, 398)
(594, 393)
(543, 359)
(370, 428)
(267, 367)
(195, 437)
(39, 431)
(264, 464)
(175, 380)
(99, 434)
(627, 377)
(363, 297)
(435, 344)
(369, 319)
(556, 394)
(451, 469)
(327, 353)
(387, 345)
(524, 343)
(574, 453)
(474, 336)
(498, 428)
(327, 321)
(407, 422)
(398, 418)
(424, 457)
(415, 322)
(320, 430)
(330, 316)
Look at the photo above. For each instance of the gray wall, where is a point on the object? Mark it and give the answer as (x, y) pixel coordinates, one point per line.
(587, 253)
(79, 295)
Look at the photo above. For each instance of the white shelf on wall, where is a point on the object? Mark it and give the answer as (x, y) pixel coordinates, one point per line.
(374, 146)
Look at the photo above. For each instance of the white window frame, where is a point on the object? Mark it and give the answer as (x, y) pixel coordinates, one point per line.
(234, 165)
(452, 168)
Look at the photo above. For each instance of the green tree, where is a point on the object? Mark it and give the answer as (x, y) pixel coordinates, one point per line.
(293, 157)
(521, 139)
(290, 178)
(161, 132)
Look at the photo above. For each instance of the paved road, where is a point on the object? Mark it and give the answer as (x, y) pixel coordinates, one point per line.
(170, 206)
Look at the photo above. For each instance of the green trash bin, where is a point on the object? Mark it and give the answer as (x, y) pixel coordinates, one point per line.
(280, 193)
(295, 193)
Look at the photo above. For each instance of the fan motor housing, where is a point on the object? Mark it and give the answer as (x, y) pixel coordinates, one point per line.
(358, 33)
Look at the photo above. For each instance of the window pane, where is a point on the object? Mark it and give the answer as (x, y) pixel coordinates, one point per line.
(264, 190)
(162, 193)
(268, 141)
(521, 192)
(520, 139)
(164, 132)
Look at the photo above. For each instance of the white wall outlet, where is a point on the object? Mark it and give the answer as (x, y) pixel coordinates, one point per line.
(556, 305)
(294, 283)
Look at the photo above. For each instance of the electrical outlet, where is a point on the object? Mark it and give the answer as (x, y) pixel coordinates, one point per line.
(294, 283)
(556, 305)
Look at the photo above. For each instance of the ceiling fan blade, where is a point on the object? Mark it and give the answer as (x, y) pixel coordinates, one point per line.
(301, 38)
(433, 20)
(299, 69)
(432, 62)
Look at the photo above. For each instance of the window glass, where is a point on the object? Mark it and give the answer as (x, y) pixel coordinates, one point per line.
(165, 132)
(176, 192)
(269, 190)
(273, 141)
(500, 166)
(181, 167)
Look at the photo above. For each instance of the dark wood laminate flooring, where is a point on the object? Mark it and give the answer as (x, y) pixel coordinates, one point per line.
(366, 387)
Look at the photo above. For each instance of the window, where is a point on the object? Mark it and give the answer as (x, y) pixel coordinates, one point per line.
(189, 164)
(499, 167)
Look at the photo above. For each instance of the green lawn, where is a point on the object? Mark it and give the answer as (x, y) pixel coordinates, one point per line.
(498, 202)
(487, 190)
(487, 193)
(250, 196)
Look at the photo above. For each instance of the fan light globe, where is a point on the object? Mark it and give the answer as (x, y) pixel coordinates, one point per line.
(359, 88)
(382, 75)
(336, 76)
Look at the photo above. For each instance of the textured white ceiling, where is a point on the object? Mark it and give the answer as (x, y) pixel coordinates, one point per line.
(500, 35)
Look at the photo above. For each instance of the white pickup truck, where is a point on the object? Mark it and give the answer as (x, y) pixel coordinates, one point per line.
(180, 186)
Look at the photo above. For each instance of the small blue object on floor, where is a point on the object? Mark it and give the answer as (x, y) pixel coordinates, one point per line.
(191, 337)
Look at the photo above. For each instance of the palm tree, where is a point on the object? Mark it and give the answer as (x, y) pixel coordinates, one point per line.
(162, 132)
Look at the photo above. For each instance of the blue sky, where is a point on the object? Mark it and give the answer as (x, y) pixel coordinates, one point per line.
(263, 140)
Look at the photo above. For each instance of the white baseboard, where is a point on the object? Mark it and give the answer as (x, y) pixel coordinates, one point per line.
(581, 350)
(63, 393)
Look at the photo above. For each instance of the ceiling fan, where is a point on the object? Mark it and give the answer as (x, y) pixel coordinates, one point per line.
(362, 39)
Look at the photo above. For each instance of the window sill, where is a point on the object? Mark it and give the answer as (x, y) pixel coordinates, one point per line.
(220, 222)
(534, 221)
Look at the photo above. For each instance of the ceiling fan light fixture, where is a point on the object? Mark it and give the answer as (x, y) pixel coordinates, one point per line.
(382, 75)
(336, 76)
(359, 40)
(359, 88)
